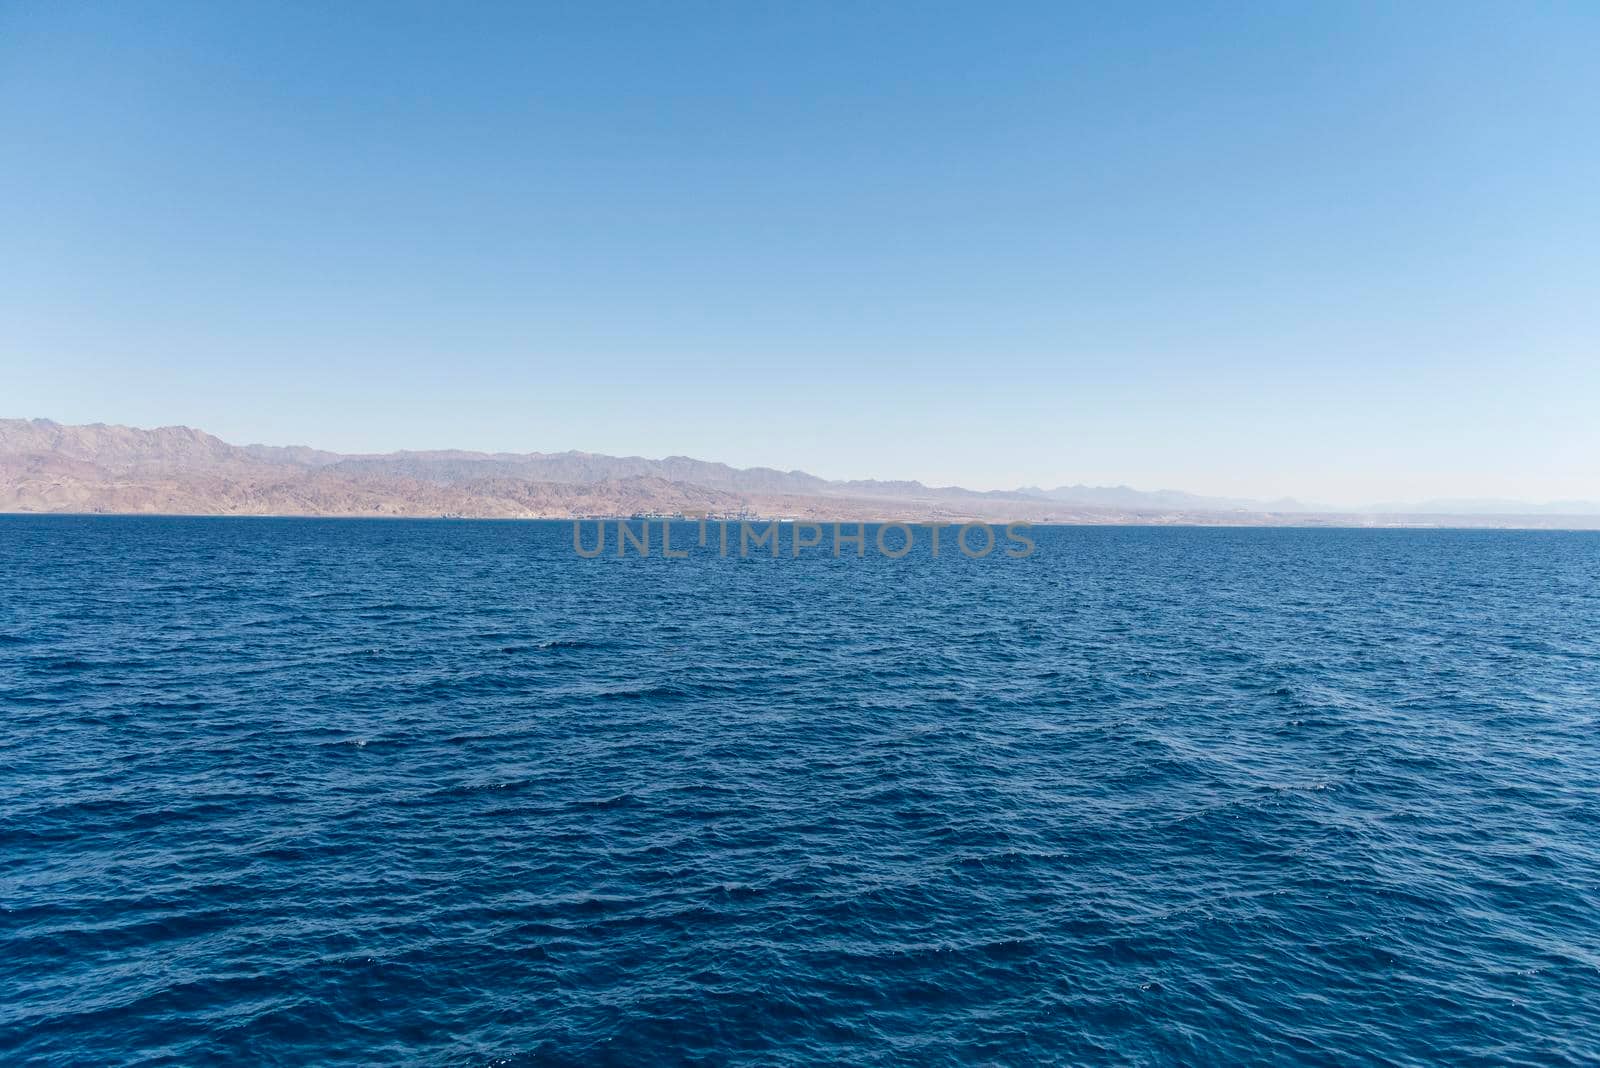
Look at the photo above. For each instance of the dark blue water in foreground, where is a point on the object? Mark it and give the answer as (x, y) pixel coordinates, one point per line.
(301, 791)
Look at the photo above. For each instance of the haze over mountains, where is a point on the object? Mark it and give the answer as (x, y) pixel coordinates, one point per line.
(49, 467)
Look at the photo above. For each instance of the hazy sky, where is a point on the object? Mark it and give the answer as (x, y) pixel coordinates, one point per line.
(1345, 251)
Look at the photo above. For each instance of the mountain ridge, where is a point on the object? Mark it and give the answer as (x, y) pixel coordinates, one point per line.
(50, 466)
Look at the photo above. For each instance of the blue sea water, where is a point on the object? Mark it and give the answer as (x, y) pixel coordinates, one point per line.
(319, 791)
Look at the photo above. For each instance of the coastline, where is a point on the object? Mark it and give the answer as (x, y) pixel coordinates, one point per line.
(1194, 521)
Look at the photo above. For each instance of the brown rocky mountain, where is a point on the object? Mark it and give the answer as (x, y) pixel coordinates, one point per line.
(49, 467)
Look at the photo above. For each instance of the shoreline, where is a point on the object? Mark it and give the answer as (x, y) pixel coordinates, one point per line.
(1319, 521)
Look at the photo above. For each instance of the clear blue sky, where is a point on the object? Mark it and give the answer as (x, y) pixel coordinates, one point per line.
(1345, 251)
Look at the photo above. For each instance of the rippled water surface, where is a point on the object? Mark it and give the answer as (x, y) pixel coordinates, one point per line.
(302, 791)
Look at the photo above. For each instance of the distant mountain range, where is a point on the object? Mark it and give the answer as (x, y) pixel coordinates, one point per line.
(1127, 497)
(49, 467)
